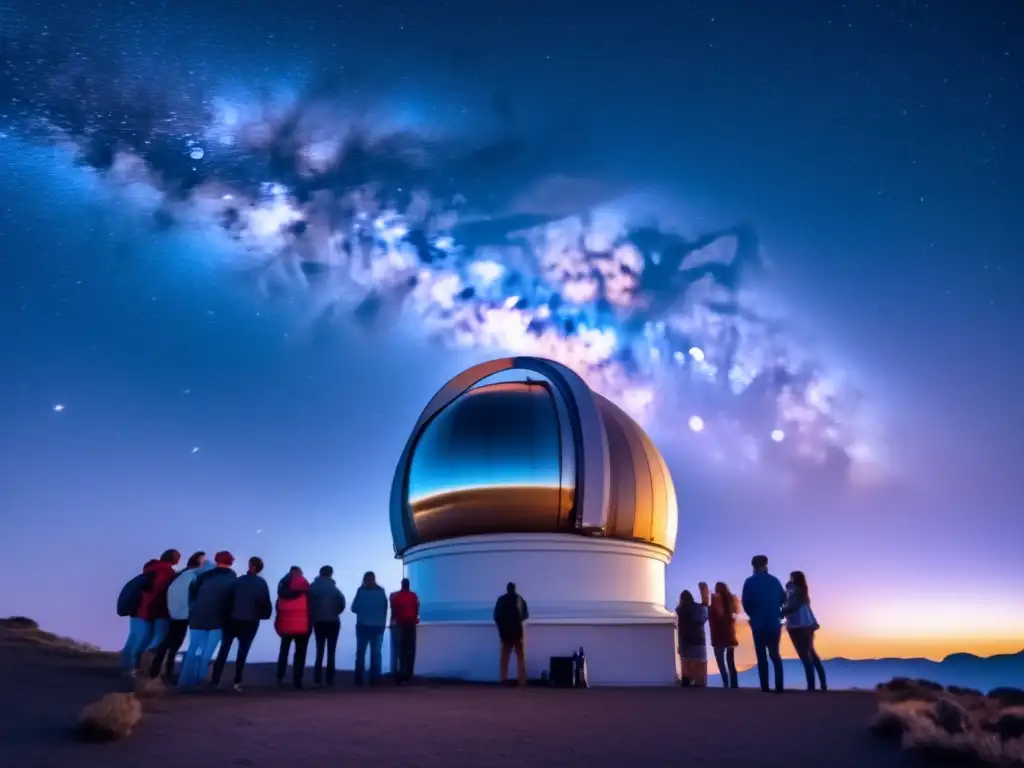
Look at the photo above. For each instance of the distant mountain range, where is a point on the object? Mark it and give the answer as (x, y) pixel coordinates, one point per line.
(963, 669)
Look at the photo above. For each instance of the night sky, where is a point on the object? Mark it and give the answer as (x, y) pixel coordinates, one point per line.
(217, 390)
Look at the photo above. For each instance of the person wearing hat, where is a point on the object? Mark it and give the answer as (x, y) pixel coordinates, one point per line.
(211, 598)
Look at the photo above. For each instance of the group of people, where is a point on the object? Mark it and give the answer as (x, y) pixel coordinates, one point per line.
(214, 607)
(767, 605)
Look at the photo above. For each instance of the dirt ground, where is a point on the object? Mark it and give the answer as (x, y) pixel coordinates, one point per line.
(427, 725)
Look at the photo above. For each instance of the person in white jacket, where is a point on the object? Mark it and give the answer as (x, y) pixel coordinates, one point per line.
(801, 625)
(177, 607)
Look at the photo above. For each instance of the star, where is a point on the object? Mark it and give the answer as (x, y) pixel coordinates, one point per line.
(58, 407)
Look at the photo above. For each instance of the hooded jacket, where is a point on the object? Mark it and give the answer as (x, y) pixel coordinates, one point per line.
(292, 606)
(211, 598)
(251, 599)
(153, 603)
(326, 603)
(690, 620)
(177, 592)
(370, 606)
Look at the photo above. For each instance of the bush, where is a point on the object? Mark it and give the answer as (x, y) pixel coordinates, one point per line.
(1008, 697)
(111, 718)
(19, 622)
(955, 726)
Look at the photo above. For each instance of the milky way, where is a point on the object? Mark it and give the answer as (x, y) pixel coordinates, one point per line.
(377, 226)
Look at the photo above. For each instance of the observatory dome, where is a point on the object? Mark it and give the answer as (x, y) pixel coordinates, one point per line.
(534, 452)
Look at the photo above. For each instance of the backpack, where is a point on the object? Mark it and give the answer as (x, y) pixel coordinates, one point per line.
(130, 599)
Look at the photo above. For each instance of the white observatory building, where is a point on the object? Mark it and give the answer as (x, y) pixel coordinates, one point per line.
(517, 471)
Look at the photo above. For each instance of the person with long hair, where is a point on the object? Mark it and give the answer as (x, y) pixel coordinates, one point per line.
(801, 626)
(722, 623)
(691, 617)
(370, 605)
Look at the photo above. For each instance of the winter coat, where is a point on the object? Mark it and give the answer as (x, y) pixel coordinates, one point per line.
(251, 599)
(510, 611)
(797, 610)
(722, 623)
(370, 606)
(326, 603)
(763, 597)
(153, 604)
(212, 595)
(292, 606)
(405, 607)
(177, 592)
(690, 620)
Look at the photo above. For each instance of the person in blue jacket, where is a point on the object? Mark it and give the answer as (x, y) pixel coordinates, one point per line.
(370, 605)
(763, 598)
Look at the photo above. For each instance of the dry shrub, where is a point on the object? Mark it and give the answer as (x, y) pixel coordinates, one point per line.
(894, 718)
(111, 718)
(1008, 697)
(25, 631)
(930, 741)
(955, 726)
(149, 688)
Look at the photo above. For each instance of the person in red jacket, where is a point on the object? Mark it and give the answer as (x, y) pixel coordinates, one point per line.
(149, 623)
(153, 606)
(292, 624)
(405, 615)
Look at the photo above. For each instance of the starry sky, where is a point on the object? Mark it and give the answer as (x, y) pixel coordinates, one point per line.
(873, 148)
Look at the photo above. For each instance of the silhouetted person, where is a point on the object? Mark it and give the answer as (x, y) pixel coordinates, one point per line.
(763, 597)
(691, 617)
(211, 595)
(177, 610)
(405, 615)
(326, 604)
(722, 623)
(801, 625)
(510, 612)
(249, 606)
(292, 624)
(370, 605)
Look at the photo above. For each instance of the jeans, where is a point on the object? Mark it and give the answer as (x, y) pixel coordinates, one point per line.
(803, 644)
(766, 646)
(326, 633)
(245, 632)
(160, 629)
(371, 638)
(725, 657)
(201, 645)
(140, 633)
(298, 660)
(403, 640)
(393, 643)
(169, 647)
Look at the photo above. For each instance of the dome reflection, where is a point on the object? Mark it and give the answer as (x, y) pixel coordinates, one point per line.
(491, 462)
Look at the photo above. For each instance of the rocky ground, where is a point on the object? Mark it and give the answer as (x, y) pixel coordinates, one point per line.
(43, 687)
